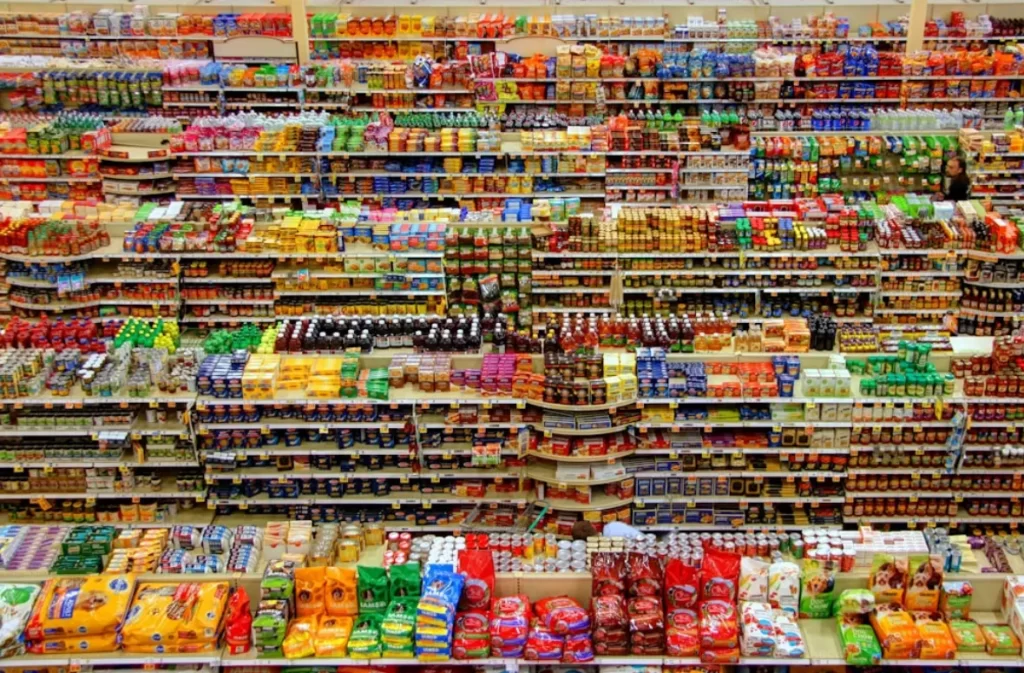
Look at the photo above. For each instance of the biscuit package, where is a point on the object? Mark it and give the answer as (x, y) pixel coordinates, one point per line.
(936, 640)
(753, 580)
(888, 580)
(81, 606)
(955, 600)
(175, 618)
(789, 641)
(758, 637)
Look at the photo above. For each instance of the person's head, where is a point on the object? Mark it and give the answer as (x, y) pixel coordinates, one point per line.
(955, 167)
(581, 530)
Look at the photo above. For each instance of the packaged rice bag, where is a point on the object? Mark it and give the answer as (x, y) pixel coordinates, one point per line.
(373, 590)
(925, 582)
(753, 580)
(967, 635)
(855, 602)
(784, 586)
(340, 595)
(789, 641)
(817, 583)
(955, 601)
(897, 633)
(16, 601)
(310, 596)
(757, 638)
(860, 646)
(936, 640)
(81, 606)
(1000, 640)
(332, 636)
(562, 615)
(888, 580)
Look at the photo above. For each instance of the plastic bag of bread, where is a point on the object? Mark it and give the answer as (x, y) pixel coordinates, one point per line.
(81, 606)
(897, 633)
(169, 614)
(16, 601)
(936, 640)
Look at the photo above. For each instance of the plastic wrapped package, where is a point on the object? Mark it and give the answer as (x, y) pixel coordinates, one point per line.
(472, 636)
(562, 615)
(16, 601)
(718, 625)
(967, 635)
(855, 602)
(936, 640)
(789, 641)
(175, 617)
(510, 625)
(720, 575)
(1000, 640)
(897, 633)
(753, 580)
(860, 645)
(784, 586)
(758, 635)
(80, 606)
(578, 649)
(681, 585)
(542, 644)
(682, 633)
(299, 642)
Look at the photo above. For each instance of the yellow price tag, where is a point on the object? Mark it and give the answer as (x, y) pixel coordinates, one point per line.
(243, 506)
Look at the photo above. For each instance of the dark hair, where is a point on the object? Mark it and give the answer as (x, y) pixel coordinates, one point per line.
(581, 530)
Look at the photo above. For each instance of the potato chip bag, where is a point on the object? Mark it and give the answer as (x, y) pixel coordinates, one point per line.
(170, 614)
(310, 591)
(81, 606)
(340, 595)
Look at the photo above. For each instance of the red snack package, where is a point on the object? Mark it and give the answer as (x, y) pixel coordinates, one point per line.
(718, 625)
(681, 586)
(645, 614)
(543, 645)
(719, 575)
(682, 635)
(238, 623)
(510, 623)
(608, 572)
(562, 615)
(578, 649)
(646, 577)
(720, 655)
(478, 567)
(472, 638)
(610, 635)
(610, 649)
(608, 611)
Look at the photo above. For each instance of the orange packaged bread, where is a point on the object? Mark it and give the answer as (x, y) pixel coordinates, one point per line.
(80, 606)
(896, 631)
(936, 638)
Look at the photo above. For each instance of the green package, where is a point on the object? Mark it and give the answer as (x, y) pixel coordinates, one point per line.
(967, 635)
(373, 589)
(399, 621)
(817, 585)
(859, 643)
(405, 580)
(1000, 640)
(364, 643)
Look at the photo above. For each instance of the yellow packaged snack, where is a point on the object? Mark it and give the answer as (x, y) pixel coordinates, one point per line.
(105, 642)
(302, 633)
(340, 596)
(309, 591)
(81, 606)
(173, 615)
(332, 637)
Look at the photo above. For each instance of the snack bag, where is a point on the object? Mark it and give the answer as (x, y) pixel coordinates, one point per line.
(720, 655)
(646, 576)
(682, 633)
(925, 582)
(888, 578)
(278, 581)
(758, 636)
(817, 583)
(936, 640)
(405, 580)
(16, 601)
(477, 565)
(855, 602)
(789, 641)
(340, 595)
(298, 644)
(897, 633)
(718, 626)
(396, 629)
(608, 574)
(860, 646)
(472, 638)
(680, 585)
(719, 576)
(577, 649)
(310, 591)
(81, 606)
(237, 623)
(169, 614)
(364, 643)
(645, 614)
(332, 636)
(373, 590)
(753, 580)
(562, 615)
(967, 635)
(543, 645)
(510, 624)
(1000, 640)
(270, 626)
(955, 600)
(784, 586)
